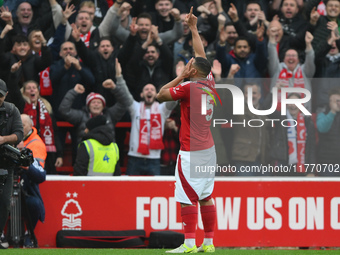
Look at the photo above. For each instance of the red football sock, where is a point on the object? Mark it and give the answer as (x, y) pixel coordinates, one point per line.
(189, 219)
(208, 213)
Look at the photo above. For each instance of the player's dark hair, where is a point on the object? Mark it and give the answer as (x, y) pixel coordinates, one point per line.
(202, 65)
(144, 15)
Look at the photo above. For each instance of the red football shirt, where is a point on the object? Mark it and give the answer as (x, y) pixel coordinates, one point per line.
(195, 131)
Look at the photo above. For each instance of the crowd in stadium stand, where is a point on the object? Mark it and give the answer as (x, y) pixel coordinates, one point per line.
(72, 60)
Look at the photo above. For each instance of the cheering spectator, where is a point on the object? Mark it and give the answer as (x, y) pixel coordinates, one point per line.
(291, 19)
(147, 128)
(95, 105)
(322, 30)
(290, 73)
(207, 22)
(89, 34)
(30, 64)
(96, 8)
(25, 22)
(164, 18)
(254, 15)
(65, 74)
(40, 112)
(228, 36)
(252, 64)
(144, 22)
(148, 63)
(102, 63)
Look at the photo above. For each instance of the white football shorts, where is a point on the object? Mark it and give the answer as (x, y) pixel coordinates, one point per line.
(190, 188)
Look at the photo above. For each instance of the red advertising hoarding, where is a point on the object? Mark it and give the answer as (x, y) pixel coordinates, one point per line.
(250, 211)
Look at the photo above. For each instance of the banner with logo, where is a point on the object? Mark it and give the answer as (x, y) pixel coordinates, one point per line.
(250, 211)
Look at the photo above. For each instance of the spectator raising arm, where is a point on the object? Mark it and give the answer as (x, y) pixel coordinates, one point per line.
(122, 94)
(309, 65)
(273, 59)
(261, 53)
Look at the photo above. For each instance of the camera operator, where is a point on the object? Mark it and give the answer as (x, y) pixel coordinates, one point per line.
(11, 132)
(30, 178)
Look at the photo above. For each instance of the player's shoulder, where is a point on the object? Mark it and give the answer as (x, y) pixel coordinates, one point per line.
(185, 83)
(182, 86)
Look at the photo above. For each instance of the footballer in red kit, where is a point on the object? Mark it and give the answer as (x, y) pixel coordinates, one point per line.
(197, 145)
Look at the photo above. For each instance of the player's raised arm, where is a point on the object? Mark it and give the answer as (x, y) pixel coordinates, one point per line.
(164, 93)
(191, 20)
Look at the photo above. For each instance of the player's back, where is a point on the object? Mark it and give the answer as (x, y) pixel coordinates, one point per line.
(195, 131)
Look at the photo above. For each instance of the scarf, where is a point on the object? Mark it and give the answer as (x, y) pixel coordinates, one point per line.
(45, 82)
(284, 77)
(45, 126)
(156, 139)
(86, 38)
(297, 142)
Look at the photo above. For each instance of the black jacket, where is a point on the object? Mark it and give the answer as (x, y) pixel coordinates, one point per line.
(63, 80)
(327, 74)
(163, 25)
(10, 123)
(293, 26)
(101, 68)
(30, 65)
(135, 69)
(321, 32)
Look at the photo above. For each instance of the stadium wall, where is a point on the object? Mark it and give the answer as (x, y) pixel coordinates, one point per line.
(251, 212)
